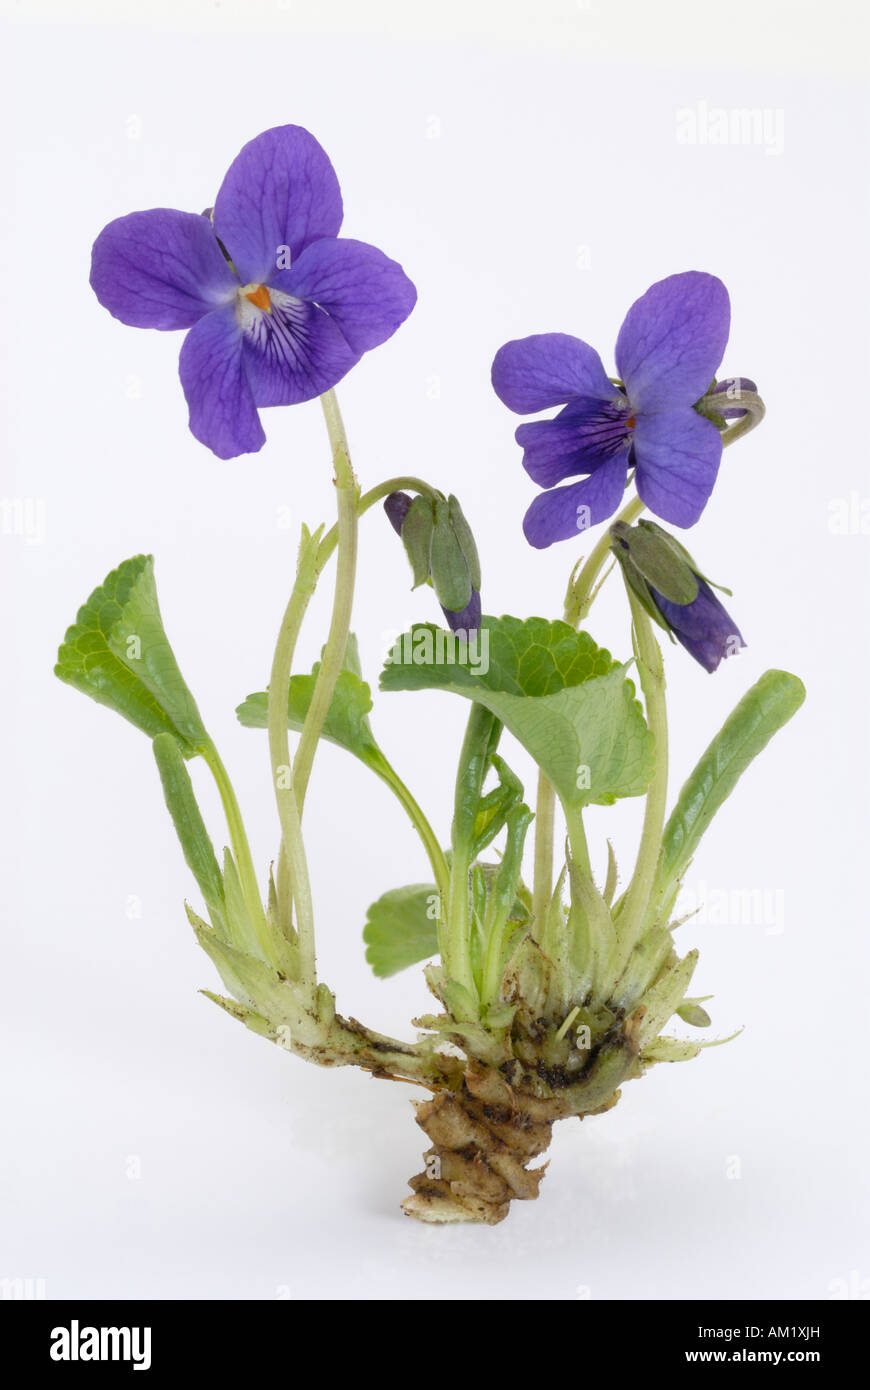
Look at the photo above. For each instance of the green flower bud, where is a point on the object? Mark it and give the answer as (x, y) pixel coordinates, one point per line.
(441, 549)
(666, 580)
(417, 528)
(652, 558)
(448, 565)
(466, 540)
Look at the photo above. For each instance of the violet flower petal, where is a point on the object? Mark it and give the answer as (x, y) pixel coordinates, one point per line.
(582, 437)
(673, 339)
(222, 411)
(703, 626)
(468, 618)
(364, 292)
(279, 191)
(293, 352)
(677, 455)
(160, 269)
(547, 369)
(397, 505)
(557, 515)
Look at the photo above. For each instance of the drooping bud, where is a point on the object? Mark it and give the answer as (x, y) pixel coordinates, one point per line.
(448, 566)
(441, 550)
(650, 557)
(733, 405)
(729, 392)
(466, 540)
(412, 519)
(667, 582)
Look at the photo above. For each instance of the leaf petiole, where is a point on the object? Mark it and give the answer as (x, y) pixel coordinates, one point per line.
(241, 848)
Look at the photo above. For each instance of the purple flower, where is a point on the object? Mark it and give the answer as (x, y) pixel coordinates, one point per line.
(278, 307)
(667, 353)
(703, 626)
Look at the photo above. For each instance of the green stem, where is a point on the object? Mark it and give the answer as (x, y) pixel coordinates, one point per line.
(314, 554)
(542, 883)
(501, 900)
(440, 868)
(292, 870)
(652, 680)
(457, 952)
(578, 601)
(748, 401)
(293, 883)
(580, 594)
(577, 840)
(473, 763)
(313, 558)
(339, 627)
(368, 499)
(241, 847)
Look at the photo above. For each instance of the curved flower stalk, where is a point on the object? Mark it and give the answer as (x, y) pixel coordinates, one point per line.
(547, 999)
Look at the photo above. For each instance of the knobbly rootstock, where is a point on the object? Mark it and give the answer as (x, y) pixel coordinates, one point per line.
(549, 994)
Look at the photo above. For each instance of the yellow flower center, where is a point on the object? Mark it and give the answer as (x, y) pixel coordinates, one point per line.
(259, 295)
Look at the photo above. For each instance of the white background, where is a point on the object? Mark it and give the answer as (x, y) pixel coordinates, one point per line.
(522, 161)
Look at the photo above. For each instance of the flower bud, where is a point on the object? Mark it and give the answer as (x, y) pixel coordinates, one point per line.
(663, 576)
(441, 549)
(728, 393)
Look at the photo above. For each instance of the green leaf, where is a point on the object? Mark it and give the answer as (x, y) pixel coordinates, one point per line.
(494, 808)
(522, 657)
(561, 696)
(346, 723)
(764, 709)
(190, 827)
(118, 653)
(402, 928)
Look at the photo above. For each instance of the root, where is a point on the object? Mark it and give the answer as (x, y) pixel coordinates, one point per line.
(477, 1163)
(485, 1132)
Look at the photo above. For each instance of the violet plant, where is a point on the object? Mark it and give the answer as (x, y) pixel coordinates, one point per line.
(552, 989)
